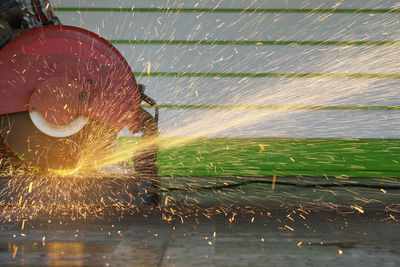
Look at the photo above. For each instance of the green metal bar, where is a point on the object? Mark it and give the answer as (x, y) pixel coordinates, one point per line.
(224, 10)
(269, 75)
(275, 156)
(293, 43)
(249, 107)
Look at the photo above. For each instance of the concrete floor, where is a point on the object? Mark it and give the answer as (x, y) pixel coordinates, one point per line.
(277, 238)
(248, 226)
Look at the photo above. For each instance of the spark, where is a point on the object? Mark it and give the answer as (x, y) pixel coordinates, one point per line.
(148, 67)
(15, 248)
(20, 201)
(261, 148)
(358, 208)
(30, 187)
(288, 227)
(23, 224)
(273, 182)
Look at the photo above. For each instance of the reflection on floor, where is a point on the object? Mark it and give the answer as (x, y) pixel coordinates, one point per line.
(279, 237)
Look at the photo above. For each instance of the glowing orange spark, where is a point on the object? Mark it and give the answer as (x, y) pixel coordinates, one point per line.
(23, 224)
(273, 182)
(358, 208)
(120, 234)
(15, 251)
(288, 227)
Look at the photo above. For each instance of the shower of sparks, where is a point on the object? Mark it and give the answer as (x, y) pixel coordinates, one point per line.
(89, 189)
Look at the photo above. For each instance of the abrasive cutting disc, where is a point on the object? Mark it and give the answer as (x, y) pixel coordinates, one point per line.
(36, 147)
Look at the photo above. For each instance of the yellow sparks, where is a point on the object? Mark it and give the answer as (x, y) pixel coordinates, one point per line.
(292, 159)
(148, 67)
(215, 235)
(120, 234)
(340, 252)
(273, 182)
(15, 251)
(47, 6)
(44, 241)
(261, 148)
(30, 187)
(252, 220)
(210, 243)
(262, 239)
(288, 227)
(23, 224)
(65, 172)
(65, 107)
(383, 190)
(358, 208)
(166, 201)
(299, 244)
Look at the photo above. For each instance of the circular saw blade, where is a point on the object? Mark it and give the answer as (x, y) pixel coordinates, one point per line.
(32, 145)
(61, 156)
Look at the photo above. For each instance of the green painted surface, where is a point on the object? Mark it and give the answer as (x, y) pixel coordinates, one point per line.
(292, 43)
(225, 10)
(249, 107)
(308, 157)
(270, 75)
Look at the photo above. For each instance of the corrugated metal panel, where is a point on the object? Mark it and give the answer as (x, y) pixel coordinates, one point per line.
(293, 45)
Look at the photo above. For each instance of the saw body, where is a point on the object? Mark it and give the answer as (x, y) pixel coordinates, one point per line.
(56, 82)
(64, 72)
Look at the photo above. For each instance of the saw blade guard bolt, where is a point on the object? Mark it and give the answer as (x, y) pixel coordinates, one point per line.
(82, 96)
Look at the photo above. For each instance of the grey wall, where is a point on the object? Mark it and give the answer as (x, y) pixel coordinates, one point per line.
(340, 92)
